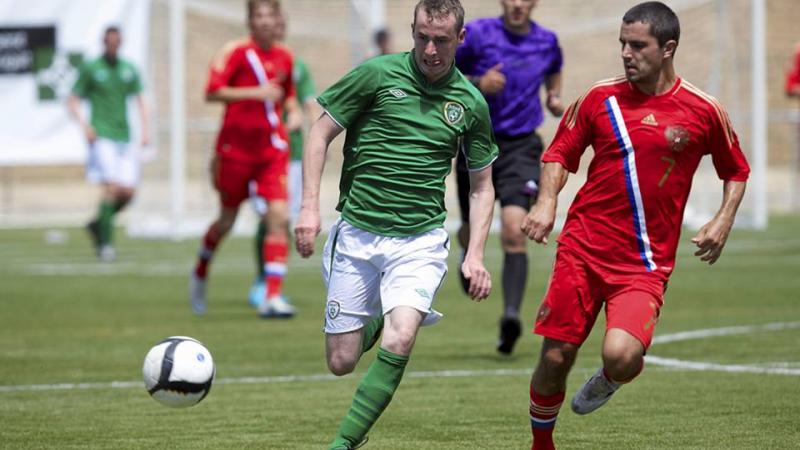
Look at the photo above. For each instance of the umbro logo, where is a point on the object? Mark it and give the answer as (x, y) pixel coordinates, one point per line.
(398, 93)
(650, 119)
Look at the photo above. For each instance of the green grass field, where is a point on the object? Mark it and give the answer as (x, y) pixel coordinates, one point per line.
(70, 326)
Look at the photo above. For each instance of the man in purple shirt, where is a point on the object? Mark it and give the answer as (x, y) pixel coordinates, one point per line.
(509, 58)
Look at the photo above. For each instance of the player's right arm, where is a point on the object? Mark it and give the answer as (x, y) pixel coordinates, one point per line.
(563, 156)
(228, 94)
(79, 90)
(481, 208)
(539, 222)
(74, 105)
(324, 130)
(343, 102)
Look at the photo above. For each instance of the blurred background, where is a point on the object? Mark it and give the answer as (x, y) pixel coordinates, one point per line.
(736, 50)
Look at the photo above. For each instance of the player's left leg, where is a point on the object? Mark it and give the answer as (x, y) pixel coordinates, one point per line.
(631, 320)
(515, 275)
(516, 172)
(548, 385)
(276, 252)
(105, 167)
(258, 290)
(378, 386)
(411, 271)
(270, 180)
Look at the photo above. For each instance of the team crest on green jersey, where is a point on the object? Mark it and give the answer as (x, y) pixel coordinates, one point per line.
(453, 112)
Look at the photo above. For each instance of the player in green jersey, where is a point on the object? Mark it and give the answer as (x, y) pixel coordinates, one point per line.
(106, 83)
(406, 116)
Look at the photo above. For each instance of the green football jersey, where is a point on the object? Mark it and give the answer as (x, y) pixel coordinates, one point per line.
(402, 134)
(107, 88)
(304, 87)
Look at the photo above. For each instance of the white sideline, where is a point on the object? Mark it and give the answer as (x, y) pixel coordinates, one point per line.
(724, 331)
(259, 380)
(664, 362)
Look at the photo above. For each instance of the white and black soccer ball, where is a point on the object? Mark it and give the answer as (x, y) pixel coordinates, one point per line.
(178, 371)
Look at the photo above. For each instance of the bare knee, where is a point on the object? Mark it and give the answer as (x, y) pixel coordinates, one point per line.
(511, 236)
(400, 330)
(340, 365)
(512, 239)
(277, 218)
(343, 351)
(554, 365)
(623, 355)
(226, 220)
(400, 340)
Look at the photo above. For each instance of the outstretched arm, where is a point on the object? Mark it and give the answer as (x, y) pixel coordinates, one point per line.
(227, 94)
(144, 119)
(539, 222)
(308, 223)
(74, 106)
(481, 207)
(552, 84)
(712, 236)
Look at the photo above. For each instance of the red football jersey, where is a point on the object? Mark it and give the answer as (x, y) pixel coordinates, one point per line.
(793, 76)
(627, 217)
(251, 128)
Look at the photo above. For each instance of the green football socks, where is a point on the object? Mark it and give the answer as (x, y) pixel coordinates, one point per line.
(259, 244)
(105, 220)
(371, 398)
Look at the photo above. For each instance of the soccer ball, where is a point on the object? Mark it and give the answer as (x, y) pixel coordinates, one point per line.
(178, 371)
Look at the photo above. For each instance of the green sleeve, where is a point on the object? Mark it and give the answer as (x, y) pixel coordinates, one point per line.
(349, 97)
(303, 82)
(81, 86)
(136, 83)
(481, 149)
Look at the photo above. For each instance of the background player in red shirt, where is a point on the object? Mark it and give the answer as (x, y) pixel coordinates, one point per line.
(649, 131)
(793, 76)
(253, 77)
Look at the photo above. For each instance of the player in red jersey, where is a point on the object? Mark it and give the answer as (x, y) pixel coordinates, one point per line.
(649, 131)
(793, 75)
(253, 77)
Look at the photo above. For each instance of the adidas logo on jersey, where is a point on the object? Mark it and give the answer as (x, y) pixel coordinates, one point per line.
(650, 119)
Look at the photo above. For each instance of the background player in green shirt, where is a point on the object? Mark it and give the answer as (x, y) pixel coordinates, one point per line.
(304, 86)
(106, 83)
(406, 116)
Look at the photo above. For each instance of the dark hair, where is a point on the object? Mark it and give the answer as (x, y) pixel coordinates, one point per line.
(251, 5)
(439, 9)
(664, 25)
(381, 36)
(112, 29)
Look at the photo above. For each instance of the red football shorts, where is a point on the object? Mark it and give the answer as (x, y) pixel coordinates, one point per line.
(578, 290)
(232, 178)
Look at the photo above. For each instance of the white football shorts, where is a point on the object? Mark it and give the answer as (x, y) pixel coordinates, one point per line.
(368, 275)
(113, 162)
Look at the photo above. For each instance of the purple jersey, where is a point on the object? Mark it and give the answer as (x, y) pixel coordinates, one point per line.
(526, 60)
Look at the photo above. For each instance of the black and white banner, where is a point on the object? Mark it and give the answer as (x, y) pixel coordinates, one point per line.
(42, 44)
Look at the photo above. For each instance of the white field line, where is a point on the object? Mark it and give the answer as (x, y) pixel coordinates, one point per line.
(780, 368)
(261, 380)
(777, 368)
(725, 331)
(731, 368)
